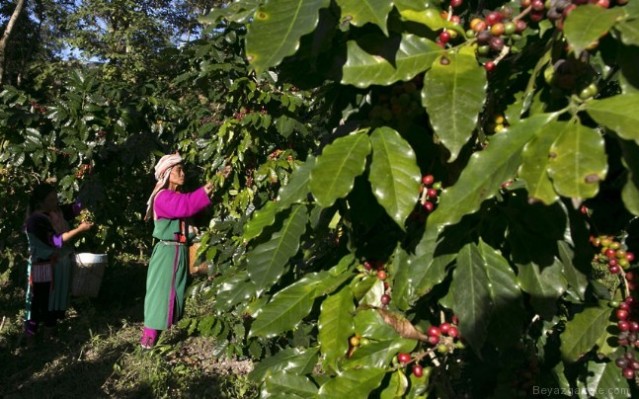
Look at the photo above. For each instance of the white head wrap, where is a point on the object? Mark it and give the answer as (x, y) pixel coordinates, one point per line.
(162, 172)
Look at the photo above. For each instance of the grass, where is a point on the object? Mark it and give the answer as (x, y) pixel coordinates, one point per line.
(95, 353)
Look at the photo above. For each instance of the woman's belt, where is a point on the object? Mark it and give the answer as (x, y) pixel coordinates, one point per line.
(169, 242)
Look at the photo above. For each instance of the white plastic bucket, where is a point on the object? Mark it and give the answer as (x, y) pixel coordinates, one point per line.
(87, 274)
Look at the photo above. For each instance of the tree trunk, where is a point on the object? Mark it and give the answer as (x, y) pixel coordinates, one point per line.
(5, 36)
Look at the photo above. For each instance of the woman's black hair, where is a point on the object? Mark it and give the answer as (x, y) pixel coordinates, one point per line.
(38, 194)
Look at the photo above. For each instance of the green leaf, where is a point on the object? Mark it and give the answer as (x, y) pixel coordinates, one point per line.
(577, 161)
(276, 29)
(617, 113)
(295, 360)
(629, 32)
(630, 160)
(486, 171)
(352, 384)
(340, 163)
(261, 219)
(534, 166)
(379, 354)
(429, 17)
(545, 286)
(370, 324)
(287, 308)
(394, 174)
(265, 263)
(415, 55)
(507, 316)
(335, 326)
(471, 296)
(287, 385)
(583, 332)
(453, 94)
(361, 12)
(418, 274)
(331, 279)
(586, 24)
(576, 279)
(296, 191)
(604, 381)
(396, 386)
(233, 290)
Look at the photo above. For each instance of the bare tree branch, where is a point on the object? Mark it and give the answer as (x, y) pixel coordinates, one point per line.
(6, 34)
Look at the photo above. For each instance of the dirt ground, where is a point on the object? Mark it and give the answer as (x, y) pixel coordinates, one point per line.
(95, 353)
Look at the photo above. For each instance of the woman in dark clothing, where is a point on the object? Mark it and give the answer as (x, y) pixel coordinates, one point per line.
(49, 263)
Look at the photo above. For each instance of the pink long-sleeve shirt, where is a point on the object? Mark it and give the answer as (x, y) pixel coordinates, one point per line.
(174, 205)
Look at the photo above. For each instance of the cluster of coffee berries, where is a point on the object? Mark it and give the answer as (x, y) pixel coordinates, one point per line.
(401, 101)
(447, 34)
(417, 369)
(429, 192)
(83, 170)
(378, 267)
(611, 254)
(497, 29)
(500, 123)
(628, 364)
(85, 216)
(445, 337)
(35, 107)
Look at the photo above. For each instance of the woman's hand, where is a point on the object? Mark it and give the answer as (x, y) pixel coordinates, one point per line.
(208, 188)
(84, 226)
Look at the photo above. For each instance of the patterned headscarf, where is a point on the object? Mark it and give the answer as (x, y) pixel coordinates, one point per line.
(162, 172)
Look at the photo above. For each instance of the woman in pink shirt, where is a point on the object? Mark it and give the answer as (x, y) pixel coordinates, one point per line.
(167, 274)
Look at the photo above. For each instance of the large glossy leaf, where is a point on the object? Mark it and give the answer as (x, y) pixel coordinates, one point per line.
(604, 381)
(394, 174)
(333, 278)
(630, 191)
(617, 113)
(287, 385)
(507, 316)
(544, 284)
(472, 301)
(583, 332)
(486, 171)
(370, 324)
(296, 191)
(534, 166)
(415, 55)
(361, 12)
(379, 354)
(575, 278)
(296, 360)
(261, 219)
(588, 23)
(352, 384)
(335, 326)
(429, 17)
(453, 94)
(336, 169)
(276, 29)
(629, 32)
(577, 161)
(397, 386)
(265, 263)
(287, 308)
(630, 197)
(416, 275)
(233, 290)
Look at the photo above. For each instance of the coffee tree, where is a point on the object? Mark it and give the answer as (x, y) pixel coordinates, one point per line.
(466, 229)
